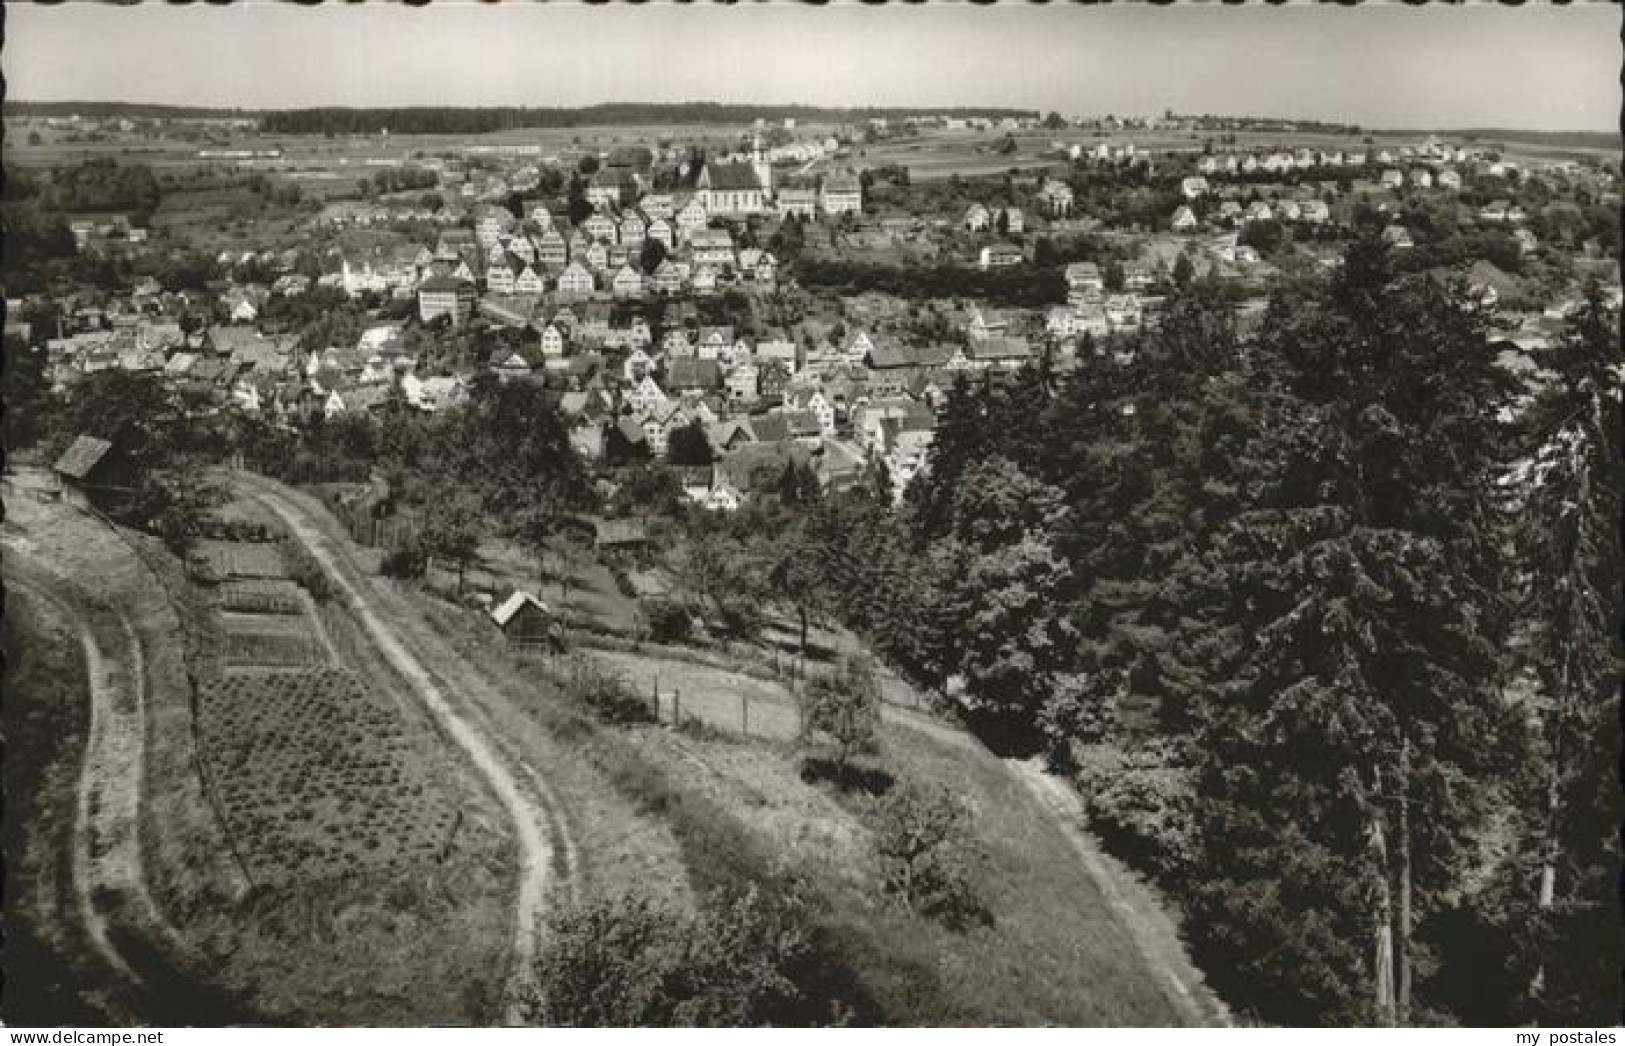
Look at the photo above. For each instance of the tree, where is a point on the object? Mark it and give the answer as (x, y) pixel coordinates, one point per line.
(1341, 649)
(927, 852)
(1112, 275)
(23, 387)
(653, 253)
(451, 532)
(1266, 237)
(1183, 270)
(843, 706)
(750, 959)
(689, 445)
(1053, 121)
(576, 205)
(1568, 504)
(797, 572)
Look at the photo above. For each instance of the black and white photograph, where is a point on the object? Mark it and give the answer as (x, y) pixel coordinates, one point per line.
(885, 516)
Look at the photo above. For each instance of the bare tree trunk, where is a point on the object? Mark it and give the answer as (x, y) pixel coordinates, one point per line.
(1402, 914)
(1554, 802)
(1382, 915)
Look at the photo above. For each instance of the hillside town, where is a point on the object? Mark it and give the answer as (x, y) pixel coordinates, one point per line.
(1000, 535)
(656, 286)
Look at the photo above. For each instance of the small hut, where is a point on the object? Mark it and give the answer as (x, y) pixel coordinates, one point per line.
(88, 469)
(527, 623)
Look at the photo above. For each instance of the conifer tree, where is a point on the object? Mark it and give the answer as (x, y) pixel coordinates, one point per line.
(1351, 731)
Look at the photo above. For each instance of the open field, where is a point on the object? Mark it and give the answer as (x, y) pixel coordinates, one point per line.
(315, 779)
(729, 701)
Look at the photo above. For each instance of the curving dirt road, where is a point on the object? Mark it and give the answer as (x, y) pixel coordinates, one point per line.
(89, 875)
(546, 854)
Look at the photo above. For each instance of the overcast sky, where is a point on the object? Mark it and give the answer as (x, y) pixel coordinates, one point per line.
(1381, 66)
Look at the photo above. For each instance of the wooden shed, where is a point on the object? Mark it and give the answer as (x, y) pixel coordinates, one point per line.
(90, 469)
(527, 622)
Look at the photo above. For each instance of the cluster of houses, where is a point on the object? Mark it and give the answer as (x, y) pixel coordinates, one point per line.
(1431, 153)
(841, 401)
(840, 408)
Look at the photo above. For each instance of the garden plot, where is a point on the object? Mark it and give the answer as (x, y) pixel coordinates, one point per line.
(268, 641)
(314, 779)
(260, 596)
(240, 559)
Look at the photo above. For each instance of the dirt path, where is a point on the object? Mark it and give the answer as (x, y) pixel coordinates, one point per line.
(1154, 933)
(92, 778)
(517, 786)
(109, 883)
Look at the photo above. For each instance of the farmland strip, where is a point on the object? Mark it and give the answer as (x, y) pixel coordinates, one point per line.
(527, 814)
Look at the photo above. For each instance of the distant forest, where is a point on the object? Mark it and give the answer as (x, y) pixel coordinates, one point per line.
(126, 110)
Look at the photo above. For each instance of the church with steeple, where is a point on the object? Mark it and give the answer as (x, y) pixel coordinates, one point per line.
(737, 189)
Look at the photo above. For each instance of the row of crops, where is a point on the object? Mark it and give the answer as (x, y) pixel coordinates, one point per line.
(314, 778)
(228, 560)
(260, 596)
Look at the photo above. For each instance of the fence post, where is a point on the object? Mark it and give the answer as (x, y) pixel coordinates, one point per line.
(676, 708)
(744, 714)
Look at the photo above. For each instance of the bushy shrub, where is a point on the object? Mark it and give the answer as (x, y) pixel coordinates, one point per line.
(304, 569)
(605, 692)
(406, 559)
(749, 960)
(927, 853)
(669, 622)
(1142, 806)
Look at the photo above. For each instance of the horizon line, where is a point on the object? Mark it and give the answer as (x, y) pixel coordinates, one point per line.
(1616, 130)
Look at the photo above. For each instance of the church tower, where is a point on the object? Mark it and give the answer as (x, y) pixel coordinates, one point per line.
(763, 169)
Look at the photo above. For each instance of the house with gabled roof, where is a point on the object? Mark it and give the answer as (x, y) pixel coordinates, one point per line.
(627, 282)
(841, 194)
(599, 226)
(660, 230)
(693, 375)
(575, 281)
(518, 362)
(711, 247)
(691, 217)
(645, 395)
(551, 248)
(632, 229)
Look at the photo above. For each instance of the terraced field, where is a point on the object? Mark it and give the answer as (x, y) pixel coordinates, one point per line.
(314, 778)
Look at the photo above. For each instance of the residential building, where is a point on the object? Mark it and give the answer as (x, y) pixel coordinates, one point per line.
(1000, 255)
(445, 296)
(841, 194)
